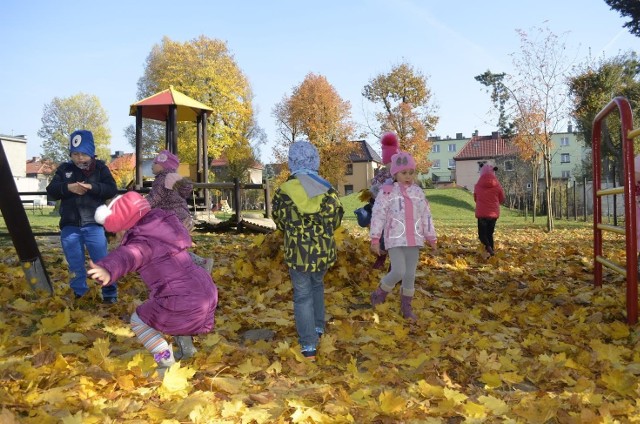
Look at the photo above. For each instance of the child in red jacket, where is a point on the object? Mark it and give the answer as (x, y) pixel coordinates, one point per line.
(488, 194)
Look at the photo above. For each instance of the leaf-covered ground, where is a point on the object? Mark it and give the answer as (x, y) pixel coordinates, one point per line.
(523, 337)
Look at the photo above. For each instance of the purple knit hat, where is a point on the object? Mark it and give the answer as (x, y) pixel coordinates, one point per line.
(168, 160)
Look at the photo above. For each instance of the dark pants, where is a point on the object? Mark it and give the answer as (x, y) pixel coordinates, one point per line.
(486, 227)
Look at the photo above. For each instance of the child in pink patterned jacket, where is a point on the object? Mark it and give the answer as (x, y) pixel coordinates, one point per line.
(402, 212)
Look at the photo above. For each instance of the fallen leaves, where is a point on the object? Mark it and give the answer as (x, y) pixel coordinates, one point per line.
(520, 337)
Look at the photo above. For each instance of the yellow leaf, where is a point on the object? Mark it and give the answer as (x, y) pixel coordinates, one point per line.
(21, 305)
(176, 382)
(390, 403)
(454, 395)
(229, 385)
(55, 324)
(491, 379)
(495, 405)
(621, 382)
(247, 367)
(67, 338)
(99, 353)
(126, 382)
(474, 410)
(430, 391)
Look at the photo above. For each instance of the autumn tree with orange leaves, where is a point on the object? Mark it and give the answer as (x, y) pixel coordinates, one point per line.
(404, 98)
(315, 112)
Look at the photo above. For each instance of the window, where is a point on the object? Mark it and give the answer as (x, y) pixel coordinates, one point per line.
(566, 174)
(435, 148)
(349, 169)
(452, 147)
(452, 164)
(564, 141)
(436, 164)
(348, 189)
(565, 158)
(508, 165)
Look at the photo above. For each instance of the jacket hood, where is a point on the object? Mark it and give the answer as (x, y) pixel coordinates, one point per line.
(305, 204)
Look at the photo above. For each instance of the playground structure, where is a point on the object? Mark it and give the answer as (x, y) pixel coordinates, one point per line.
(630, 269)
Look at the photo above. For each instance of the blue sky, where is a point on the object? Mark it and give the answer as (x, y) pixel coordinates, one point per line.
(59, 49)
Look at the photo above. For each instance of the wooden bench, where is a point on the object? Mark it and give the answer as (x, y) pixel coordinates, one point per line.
(35, 205)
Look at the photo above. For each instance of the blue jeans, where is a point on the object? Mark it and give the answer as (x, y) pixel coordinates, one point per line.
(308, 306)
(74, 240)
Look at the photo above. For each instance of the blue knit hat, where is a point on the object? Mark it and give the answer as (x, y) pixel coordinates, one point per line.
(303, 156)
(82, 141)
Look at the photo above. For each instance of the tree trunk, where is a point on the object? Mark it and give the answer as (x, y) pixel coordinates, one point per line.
(534, 192)
(548, 199)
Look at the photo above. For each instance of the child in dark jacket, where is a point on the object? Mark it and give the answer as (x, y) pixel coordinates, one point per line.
(307, 209)
(170, 192)
(182, 296)
(82, 185)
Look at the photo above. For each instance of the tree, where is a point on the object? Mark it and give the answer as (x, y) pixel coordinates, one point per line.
(499, 97)
(315, 111)
(404, 98)
(204, 70)
(537, 100)
(593, 86)
(628, 8)
(63, 116)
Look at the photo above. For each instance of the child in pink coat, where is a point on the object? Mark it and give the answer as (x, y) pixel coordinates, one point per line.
(402, 212)
(182, 296)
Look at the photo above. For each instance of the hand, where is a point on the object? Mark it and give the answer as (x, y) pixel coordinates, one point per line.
(87, 186)
(171, 179)
(79, 188)
(99, 273)
(375, 248)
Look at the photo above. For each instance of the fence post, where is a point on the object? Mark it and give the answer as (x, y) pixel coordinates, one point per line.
(236, 199)
(267, 198)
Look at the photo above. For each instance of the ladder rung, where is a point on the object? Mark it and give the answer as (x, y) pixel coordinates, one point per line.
(612, 228)
(610, 191)
(614, 266)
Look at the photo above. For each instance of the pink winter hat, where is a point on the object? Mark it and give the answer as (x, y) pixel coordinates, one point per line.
(168, 160)
(123, 212)
(401, 161)
(389, 142)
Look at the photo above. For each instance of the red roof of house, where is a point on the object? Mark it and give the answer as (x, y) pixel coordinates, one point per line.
(486, 146)
(126, 161)
(37, 166)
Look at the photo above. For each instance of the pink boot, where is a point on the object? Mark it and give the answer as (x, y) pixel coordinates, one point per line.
(406, 309)
(378, 296)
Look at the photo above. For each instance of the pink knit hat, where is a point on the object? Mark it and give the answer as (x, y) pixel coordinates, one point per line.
(401, 161)
(389, 142)
(123, 212)
(168, 160)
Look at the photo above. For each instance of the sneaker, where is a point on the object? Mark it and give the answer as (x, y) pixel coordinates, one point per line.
(164, 360)
(309, 354)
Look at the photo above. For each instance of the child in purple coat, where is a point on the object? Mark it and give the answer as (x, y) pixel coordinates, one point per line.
(170, 192)
(182, 296)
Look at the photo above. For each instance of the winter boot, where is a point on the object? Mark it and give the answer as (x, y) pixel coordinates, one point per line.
(186, 349)
(164, 360)
(378, 296)
(405, 308)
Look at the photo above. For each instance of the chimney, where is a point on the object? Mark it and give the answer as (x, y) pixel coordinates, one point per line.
(475, 133)
(570, 128)
(459, 136)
